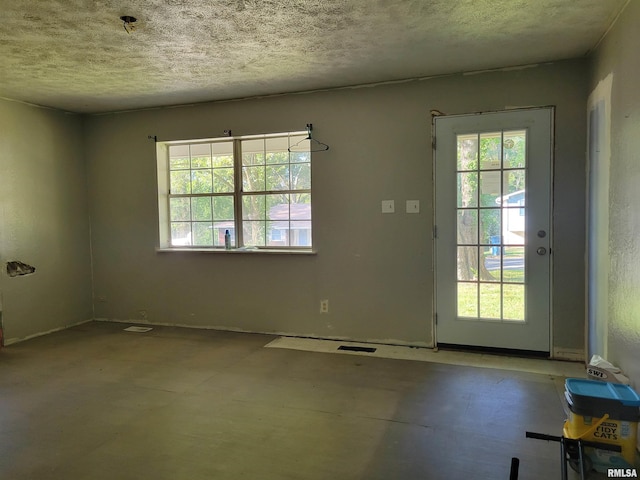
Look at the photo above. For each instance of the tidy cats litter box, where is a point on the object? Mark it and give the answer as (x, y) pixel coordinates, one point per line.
(605, 413)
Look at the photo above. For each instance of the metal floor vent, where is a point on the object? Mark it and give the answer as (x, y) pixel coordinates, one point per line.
(138, 329)
(357, 349)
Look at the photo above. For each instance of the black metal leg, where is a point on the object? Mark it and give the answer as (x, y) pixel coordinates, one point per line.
(515, 465)
(581, 459)
(563, 463)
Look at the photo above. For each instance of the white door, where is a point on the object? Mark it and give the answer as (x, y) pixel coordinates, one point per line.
(492, 224)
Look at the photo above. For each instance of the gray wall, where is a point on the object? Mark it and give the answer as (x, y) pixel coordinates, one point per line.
(617, 55)
(376, 270)
(44, 220)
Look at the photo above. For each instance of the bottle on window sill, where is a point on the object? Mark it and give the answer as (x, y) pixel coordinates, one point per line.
(227, 240)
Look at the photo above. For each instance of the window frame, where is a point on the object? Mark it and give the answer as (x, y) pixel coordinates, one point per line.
(165, 196)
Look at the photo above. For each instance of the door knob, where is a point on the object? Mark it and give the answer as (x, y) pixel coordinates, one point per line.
(541, 250)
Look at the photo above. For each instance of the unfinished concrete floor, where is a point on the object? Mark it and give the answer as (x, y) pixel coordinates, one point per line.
(96, 402)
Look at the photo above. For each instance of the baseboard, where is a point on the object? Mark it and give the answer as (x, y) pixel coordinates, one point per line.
(570, 354)
(11, 341)
(400, 343)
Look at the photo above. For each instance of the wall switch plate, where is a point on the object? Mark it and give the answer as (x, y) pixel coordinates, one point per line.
(388, 206)
(413, 206)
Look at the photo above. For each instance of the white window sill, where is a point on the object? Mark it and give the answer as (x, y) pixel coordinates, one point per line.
(236, 251)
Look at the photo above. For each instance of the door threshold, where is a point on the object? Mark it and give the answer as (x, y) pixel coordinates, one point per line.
(506, 352)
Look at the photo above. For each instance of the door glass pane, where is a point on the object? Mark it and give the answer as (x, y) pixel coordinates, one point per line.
(489, 225)
(514, 305)
(468, 189)
(490, 300)
(467, 226)
(513, 264)
(467, 263)
(514, 181)
(515, 149)
(490, 150)
(467, 300)
(490, 188)
(467, 152)
(492, 260)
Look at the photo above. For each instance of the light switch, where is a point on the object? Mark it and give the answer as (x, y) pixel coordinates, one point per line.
(413, 206)
(388, 206)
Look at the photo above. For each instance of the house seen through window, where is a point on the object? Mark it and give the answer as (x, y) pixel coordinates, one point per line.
(258, 188)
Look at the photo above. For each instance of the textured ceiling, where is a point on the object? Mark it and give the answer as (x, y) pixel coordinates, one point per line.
(75, 55)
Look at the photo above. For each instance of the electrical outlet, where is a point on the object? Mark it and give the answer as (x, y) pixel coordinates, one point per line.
(142, 315)
(324, 306)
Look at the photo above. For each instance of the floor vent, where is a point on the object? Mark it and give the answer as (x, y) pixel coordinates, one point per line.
(357, 349)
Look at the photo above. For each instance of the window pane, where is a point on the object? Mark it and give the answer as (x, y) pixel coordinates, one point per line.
(201, 181)
(179, 209)
(201, 156)
(180, 182)
(219, 229)
(178, 157)
(202, 234)
(490, 150)
(252, 152)
(300, 208)
(222, 154)
(254, 233)
(301, 176)
(277, 150)
(278, 177)
(223, 161)
(467, 152)
(467, 190)
(300, 233)
(277, 207)
(278, 233)
(223, 208)
(300, 147)
(180, 233)
(253, 207)
(515, 149)
(467, 300)
(201, 208)
(253, 179)
(223, 180)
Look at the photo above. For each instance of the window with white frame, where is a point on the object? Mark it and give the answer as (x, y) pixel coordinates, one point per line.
(258, 188)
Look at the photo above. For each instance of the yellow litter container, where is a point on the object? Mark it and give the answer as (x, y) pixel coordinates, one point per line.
(606, 413)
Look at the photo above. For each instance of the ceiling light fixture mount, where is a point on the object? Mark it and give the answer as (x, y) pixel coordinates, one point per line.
(128, 22)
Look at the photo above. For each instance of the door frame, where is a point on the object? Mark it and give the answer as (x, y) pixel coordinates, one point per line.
(436, 114)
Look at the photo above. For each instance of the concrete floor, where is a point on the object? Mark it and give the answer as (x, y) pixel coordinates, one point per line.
(96, 402)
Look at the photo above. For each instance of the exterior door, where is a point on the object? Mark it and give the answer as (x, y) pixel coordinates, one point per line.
(493, 229)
